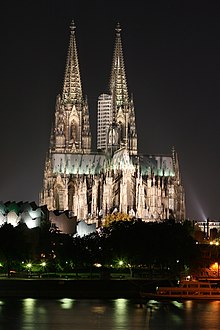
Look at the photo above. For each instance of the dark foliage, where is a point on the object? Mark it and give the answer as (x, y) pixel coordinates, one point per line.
(163, 245)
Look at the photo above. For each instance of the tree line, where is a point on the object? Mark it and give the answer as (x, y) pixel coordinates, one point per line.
(132, 244)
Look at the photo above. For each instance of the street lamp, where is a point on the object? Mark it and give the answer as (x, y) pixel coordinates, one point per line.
(28, 266)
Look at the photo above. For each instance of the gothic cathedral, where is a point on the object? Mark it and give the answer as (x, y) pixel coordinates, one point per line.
(115, 177)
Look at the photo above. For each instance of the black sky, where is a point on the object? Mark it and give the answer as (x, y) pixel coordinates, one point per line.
(172, 59)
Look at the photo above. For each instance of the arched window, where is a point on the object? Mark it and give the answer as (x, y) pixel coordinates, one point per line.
(59, 198)
(73, 131)
(71, 192)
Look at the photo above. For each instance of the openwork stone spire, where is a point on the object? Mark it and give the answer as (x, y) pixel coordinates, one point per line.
(72, 89)
(118, 84)
(123, 126)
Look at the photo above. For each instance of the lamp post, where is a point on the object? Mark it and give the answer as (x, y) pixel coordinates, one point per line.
(29, 265)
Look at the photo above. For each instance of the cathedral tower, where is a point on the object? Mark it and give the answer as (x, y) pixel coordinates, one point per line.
(70, 136)
(71, 128)
(120, 119)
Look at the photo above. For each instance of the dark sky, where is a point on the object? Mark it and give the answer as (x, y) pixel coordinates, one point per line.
(172, 59)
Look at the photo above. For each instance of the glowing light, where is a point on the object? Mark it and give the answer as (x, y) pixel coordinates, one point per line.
(98, 309)
(193, 197)
(120, 263)
(66, 303)
(120, 312)
(28, 310)
(188, 305)
(215, 269)
(43, 264)
(28, 305)
(214, 243)
(29, 265)
(97, 265)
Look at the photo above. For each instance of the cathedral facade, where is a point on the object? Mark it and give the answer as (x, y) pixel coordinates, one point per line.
(115, 177)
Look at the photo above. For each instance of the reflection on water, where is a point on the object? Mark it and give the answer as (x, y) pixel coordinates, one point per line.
(115, 314)
(66, 303)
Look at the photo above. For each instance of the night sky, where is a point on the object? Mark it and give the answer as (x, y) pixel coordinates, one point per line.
(172, 60)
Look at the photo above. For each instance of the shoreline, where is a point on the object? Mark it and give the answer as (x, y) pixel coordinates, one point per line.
(68, 288)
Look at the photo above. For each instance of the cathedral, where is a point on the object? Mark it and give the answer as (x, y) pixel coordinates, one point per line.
(115, 177)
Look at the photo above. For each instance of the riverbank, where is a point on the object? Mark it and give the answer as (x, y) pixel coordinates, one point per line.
(67, 288)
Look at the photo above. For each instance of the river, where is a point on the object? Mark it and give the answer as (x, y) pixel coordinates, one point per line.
(114, 314)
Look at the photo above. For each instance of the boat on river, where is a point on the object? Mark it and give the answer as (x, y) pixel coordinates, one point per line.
(186, 290)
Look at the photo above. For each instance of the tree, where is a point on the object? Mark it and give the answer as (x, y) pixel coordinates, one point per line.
(117, 216)
(13, 245)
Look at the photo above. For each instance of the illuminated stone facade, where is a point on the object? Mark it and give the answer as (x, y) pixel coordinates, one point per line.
(91, 184)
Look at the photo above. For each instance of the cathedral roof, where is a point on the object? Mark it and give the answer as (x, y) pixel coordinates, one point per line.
(92, 163)
(156, 164)
(161, 165)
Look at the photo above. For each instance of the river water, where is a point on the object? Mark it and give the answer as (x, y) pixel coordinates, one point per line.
(114, 314)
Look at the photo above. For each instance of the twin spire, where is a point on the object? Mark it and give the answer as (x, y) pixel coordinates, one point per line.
(73, 131)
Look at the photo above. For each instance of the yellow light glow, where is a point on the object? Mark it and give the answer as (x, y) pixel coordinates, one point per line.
(97, 265)
(214, 267)
(66, 303)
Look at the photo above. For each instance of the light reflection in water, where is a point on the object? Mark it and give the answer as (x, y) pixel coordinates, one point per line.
(28, 305)
(177, 304)
(66, 303)
(98, 309)
(188, 304)
(32, 313)
(215, 306)
(117, 314)
(28, 308)
(120, 312)
(211, 315)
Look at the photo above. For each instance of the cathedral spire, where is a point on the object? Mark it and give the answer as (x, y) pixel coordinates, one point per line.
(72, 89)
(118, 84)
(122, 125)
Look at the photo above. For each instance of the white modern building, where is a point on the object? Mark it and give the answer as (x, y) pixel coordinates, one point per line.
(104, 119)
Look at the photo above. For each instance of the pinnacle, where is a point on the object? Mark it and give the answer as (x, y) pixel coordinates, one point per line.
(72, 27)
